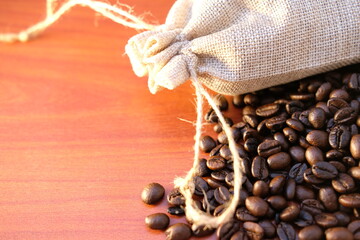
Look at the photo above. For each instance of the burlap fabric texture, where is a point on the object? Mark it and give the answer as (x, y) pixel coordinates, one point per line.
(239, 46)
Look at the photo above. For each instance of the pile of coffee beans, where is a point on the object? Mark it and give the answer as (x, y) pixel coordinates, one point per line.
(300, 148)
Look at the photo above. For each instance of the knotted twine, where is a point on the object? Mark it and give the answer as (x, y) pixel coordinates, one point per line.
(120, 14)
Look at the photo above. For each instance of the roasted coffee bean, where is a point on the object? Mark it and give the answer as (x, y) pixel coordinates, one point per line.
(354, 129)
(270, 213)
(285, 231)
(339, 137)
(309, 177)
(324, 170)
(318, 138)
(290, 134)
(259, 168)
(251, 99)
(340, 93)
(222, 138)
(217, 128)
(334, 104)
(302, 96)
(202, 170)
(345, 116)
(219, 210)
(304, 118)
(344, 183)
(355, 172)
(349, 161)
(323, 91)
(277, 184)
(351, 200)
(328, 198)
(240, 235)
(221, 102)
(213, 183)
(219, 175)
(250, 133)
(294, 106)
(338, 233)
(326, 220)
(295, 124)
(317, 117)
(207, 143)
(216, 163)
(297, 172)
(256, 206)
(312, 206)
(178, 231)
(297, 153)
(302, 193)
(304, 219)
(152, 193)
(216, 150)
(178, 211)
(268, 148)
(312, 232)
(254, 230)
(238, 101)
(324, 107)
(290, 213)
(260, 188)
(313, 155)
(334, 154)
(221, 195)
(243, 195)
(226, 153)
(290, 188)
(342, 217)
(279, 161)
(251, 145)
(175, 197)
(354, 228)
(229, 179)
(355, 146)
(226, 230)
(275, 123)
(200, 186)
(251, 120)
(157, 221)
(354, 82)
(202, 230)
(269, 228)
(277, 202)
(268, 110)
(280, 137)
(244, 215)
(261, 128)
(248, 110)
(303, 143)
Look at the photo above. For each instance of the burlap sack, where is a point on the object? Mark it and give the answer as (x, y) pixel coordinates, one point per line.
(241, 46)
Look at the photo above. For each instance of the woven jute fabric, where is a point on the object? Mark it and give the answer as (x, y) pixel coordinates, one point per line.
(239, 46)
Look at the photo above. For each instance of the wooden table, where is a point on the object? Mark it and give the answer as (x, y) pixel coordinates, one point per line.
(80, 134)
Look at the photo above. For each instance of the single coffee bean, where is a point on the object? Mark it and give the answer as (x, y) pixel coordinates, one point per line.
(254, 230)
(261, 128)
(290, 213)
(269, 228)
(340, 93)
(240, 235)
(304, 118)
(326, 220)
(175, 197)
(334, 154)
(312, 206)
(178, 231)
(267, 110)
(344, 183)
(354, 82)
(277, 184)
(345, 116)
(221, 195)
(251, 120)
(354, 227)
(219, 175)
(157, 221)
(324, 170)
(297, 172)
(256, 206)
(261, 188)
(226, 230)
(297, 153)
(295, 124)
(302, 193)
(290, 188)
(275, 123)
(222, 137)
(218, 128)
(248, 110)
(251, 99)
(302, 96)
(201, 186)
(207, 143)
(328, 198)
(294, 106)
(285, 231)
(244, 215)
(317, 117)
(304, 219)
(355, 172)
(238, 101)
(339, 137)
(318, 138)
(309, 177)
(280, 137)
(251, 145)
(221, 102)
(216, 163)
(323, 91)
(152, 193)
(349, 161)
(312, 232)
(351, 200)
(342, 217)
(324, 107)
(313, 86)
(268, 148)
(355, 146)
(259, 168)
(290, 134)
(250, 133)
(313, 155)
(279, 161)
(213, 183)
(334, 104)
(178, 211)
(277, 202)
(219, 210)
(338, 233)
(216, 150)
(202, 170)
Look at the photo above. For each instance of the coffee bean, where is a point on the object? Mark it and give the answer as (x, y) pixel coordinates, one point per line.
(277, 202)
(324, 170)
(312, 232)
(309, 177)
(328, 198)
(340, 93)
(269, 228)
(354, 82)
(342, 217)
(216, 163)
(304, 219)
(349, 161)
(324, 107)
(323, 91)
(243, 195)
(157, 221)
(345, 116)
(259, 168)
(285, 231)
(244, 215)
(248, 110)
(251, 120)
(178, 231)
(280, 137)
(290, 188)
(294, 106)
(290, 213)
(275, 123)
(302, 193)
(290, 134)
(238, 101)
(351, 200)
(339, 137)
(261, 188)
(355, 146)
(219, 210)
(202, 170)
(256, 206)
(250, 133)
(326, 220)
(213, 183)
(152, 193)
(297, 153)
(313, 155)
(261, 128)
(355, 172)
(277, 184)
(312, 206)
(226, 230)
(344, 183)
(240, 235)
(297, 172)
(267, 110)
(334, 104)
(304, 118)
(200, 186)
(251, 99)
(251, 145)
(302, 96)
(334, 154)
(222, 138)
(221, 195)
(175, 197)
(207, 143)
(219, 175)
(279, 161)
(178, 211)
(295, 124)
(318, 138)
(268, 148)
(303, 143)
(209, 203)
(216, 150)
(354, 227)
(254, 230)
(338, 233)
(317, 117)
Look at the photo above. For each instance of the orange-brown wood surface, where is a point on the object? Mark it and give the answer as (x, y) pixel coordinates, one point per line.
(80, 134)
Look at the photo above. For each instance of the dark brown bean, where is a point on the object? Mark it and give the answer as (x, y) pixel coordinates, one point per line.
(267, 110)
(295, 124)
(216, 163)
(244, 215)
(342, 217)
(178, 231)
(297, 172)
(207, 143)
(251, 120)
(280, 137)
(175, 197)
(328, 198)
(355, 172)
(277, 202)
(326, 220)
(323, 91)
(312, 232)
(221, 195)
(152, 193)
(305, 219)
(261, 188)
(312, 206)
(340, 93)
(290, 188)
(268, 148)
(339, 137)
(240, 235)
(338, 233)
(355, 146)
(324, 170)
(344, 183)
(238, 101)
(345, 116)
(277, 184)
(334, 104)
(221, 102)
(177, 210)
(226, 230)
(254, 230)
(309, 177)
(259, 168)
(318, 138)
(303, 193)
(313, 155)
(256, 206)
(275, 123)
(297, 153)
(317, 117)
(285, 231)
(351, 200)
(157, 221)
(290, 213)
(200, 186)
(290, 134)
(279, 161)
